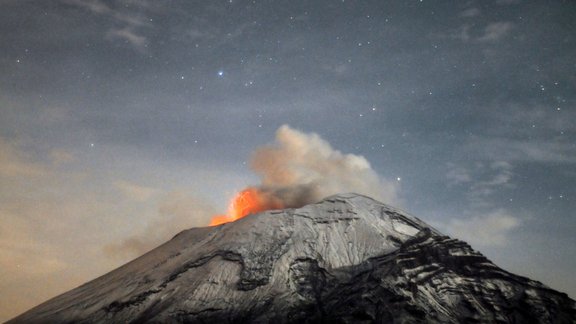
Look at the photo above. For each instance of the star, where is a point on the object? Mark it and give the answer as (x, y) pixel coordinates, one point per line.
(220, 73)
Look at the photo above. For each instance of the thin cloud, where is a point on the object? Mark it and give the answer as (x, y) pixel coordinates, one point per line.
(532, 134)
(489, 33)
(500, 177)
(540, 151)
(134, 191)
(458, 175)
(481, 181)
(95, 6)
(16, 163)
(100, 8)
(470, 12)
(129, 36)
(492, 229)
(507, 2)
(537, 118)
(496, 31)
(61, 157)
(130, 21)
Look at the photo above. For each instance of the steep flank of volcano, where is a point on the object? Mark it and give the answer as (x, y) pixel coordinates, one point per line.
(345, 259)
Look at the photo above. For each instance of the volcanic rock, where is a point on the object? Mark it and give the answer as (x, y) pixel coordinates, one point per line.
(346, 259)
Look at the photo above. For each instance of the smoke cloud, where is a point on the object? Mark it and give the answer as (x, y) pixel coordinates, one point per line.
(177, 210)
(300, 168)
(297, 169)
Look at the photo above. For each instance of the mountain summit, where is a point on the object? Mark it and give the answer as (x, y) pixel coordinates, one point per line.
(346, 259)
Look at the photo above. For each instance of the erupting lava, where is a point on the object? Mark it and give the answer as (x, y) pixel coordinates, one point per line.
(246, 202)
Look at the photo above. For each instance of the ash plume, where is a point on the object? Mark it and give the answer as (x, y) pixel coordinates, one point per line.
(295, 170)
(301, 168)
(176, 210)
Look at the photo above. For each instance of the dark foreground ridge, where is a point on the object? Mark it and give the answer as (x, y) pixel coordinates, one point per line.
(346, 259)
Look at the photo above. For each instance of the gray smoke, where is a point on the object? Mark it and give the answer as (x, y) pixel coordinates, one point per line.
(297, 169)
(176, 211)
(300, 168)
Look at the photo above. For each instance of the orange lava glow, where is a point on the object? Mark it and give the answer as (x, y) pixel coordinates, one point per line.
(246, 202)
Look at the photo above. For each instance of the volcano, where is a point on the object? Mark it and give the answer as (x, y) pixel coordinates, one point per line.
(345, 259)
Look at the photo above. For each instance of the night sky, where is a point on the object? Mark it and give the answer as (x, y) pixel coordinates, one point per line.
(123, 122)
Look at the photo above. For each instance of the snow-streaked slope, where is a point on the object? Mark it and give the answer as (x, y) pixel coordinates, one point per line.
(346, 258)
